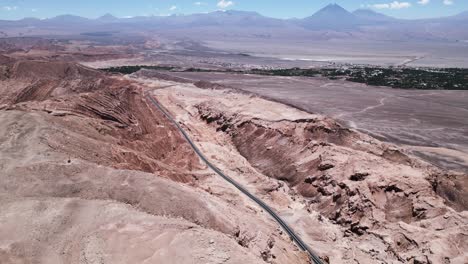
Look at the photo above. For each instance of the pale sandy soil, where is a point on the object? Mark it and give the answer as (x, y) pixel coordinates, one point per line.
(101, 64)
(417, 54)
(72, 230)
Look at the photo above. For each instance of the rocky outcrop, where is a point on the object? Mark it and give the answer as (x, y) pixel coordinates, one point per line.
(132, 134)
(372, 190)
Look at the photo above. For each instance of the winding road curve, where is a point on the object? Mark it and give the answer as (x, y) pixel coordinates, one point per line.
(303, 246)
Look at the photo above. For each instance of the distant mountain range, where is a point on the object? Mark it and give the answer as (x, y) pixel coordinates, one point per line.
(332, 21)
(367, 14)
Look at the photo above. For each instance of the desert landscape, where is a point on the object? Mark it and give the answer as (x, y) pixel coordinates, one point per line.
(261, 140)
(433, 127)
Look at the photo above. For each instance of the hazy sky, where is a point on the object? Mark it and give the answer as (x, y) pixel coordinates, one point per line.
(15, 9)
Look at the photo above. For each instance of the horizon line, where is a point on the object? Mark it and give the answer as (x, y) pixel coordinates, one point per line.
(220, 10)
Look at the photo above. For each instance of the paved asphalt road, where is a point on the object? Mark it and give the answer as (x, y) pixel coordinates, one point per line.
(303, 246)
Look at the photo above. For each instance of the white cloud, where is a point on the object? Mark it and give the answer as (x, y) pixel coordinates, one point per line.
(448, 2)
(224, 4)
(392, 5)
(34, 10)
(172, 8)
(10, 8)
(199, 3)
(423, 2)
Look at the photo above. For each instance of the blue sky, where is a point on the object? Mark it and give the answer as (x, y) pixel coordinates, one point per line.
(16, 9)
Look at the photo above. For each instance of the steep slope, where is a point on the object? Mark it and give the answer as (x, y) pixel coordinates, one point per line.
(333, 17)
(91, 231)
(92, 170)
